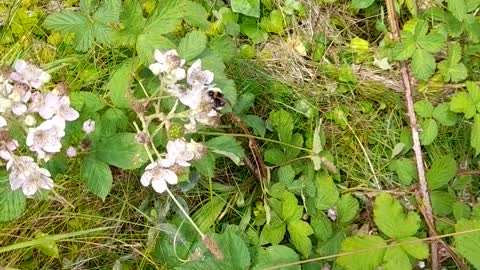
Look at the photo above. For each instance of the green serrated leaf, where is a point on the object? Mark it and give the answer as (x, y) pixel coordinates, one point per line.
(113, 120)
(299, 231)
(474, 92)
(275, 156)
(107, 14)
(72, 22)
(247, 7)
(87, 101)
(460, 211)
(360, 4)
(282, 122)
(423, 108)
(347, 209)
(396, 259)
(121, 150)
(252, 30)
(286, 174)
(327, 192)
(443, 170)
(475, 136)
(12, 203)
(322, 227)
(274, 23)
(132, 18)
(365, 260)
(468, 245)
(406, 170)
(432, 43)
(451, 69)
(429, 131)
(388, 213)
(206, 165)
(442, 202)
(256, 123)
(406, 49)
(273, 233)
(418, 250)
(224, 46)
(97, 176)
(458, 8)
(276, 255)
(423, 64)
(226, 146)
(165, 18)
(192, 45)
(196, 15)
(462, 103)
(119, 85)
(444, 116)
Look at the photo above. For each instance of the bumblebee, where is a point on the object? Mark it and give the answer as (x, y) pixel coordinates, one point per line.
(218, 101)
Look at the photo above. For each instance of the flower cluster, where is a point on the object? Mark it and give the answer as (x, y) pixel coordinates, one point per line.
(163, 171)
(22, 104)
(191, 88)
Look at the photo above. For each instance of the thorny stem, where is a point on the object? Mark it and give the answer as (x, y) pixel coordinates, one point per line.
(202, 235)
(425, 196)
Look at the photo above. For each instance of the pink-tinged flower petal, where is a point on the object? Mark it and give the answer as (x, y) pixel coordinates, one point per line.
(20, 66)
(156, 68)
(36, 84)
(5, 155)
(159, 56)
(170, 177)
(159, 185)
(3, 122)
(179, 74)
(19, 109)
(17, 182)
(29, 189)
(146, 178)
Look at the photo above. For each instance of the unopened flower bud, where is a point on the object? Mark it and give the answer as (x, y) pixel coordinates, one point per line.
(142, 138)
(138, 106)
(62, 89)
(88, 126)
(71, 152)
(30, 120)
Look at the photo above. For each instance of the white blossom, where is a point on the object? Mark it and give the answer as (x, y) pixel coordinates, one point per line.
(5, 86)
(168, 63)
(88, 126)
(195, 74)
(193, 97)
(3, 122)
(57, 105)
(6, 149)
(158, 175)
(199, 150)
(29, 74)
(179, 153)
(332, 213)
(71, 152)
(19, 108)
(24, 173)
(5, 104)
(30, 120)
(46, 138)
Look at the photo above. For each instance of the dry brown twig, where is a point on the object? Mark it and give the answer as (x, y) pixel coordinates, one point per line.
(425, 203)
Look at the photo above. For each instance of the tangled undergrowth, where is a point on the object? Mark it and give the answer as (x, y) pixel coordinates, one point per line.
(198, 134)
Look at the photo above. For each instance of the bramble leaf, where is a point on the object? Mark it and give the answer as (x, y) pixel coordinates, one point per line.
(276, 255)
(127, 153)
(423, 64)
(282, 122)
(364, 260)
(347, 208)
(360, 4)
(468, 245)
(12, 203)
(247, 7)
(406, 170)
(388, 213)
(429, 131)
(423, 108)
(192, 45)
(444, 116)
(475, 136)
(396, 259)
(226, 146)
(299, 231)
(462, 103)
(97, 176)
(443, 170)
(327, 193)
(458, 8)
